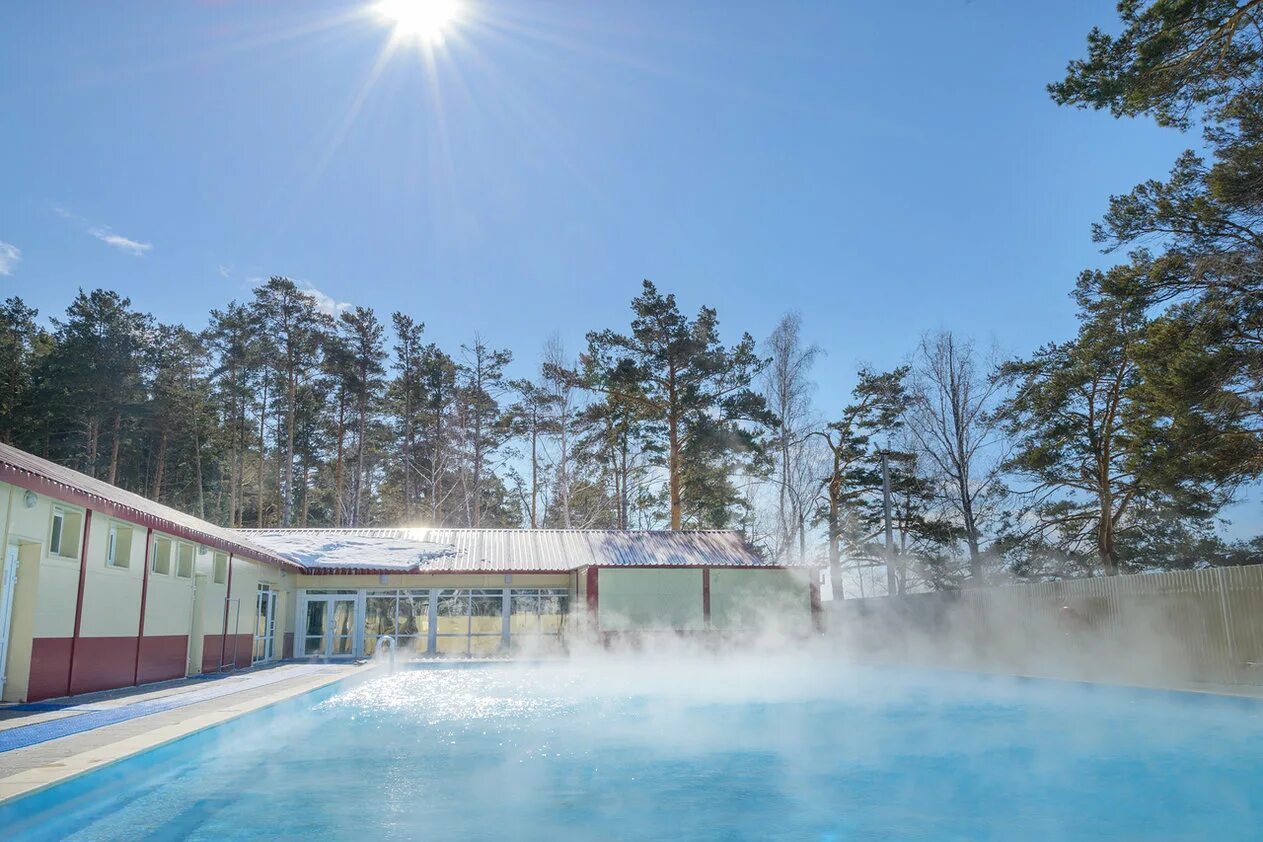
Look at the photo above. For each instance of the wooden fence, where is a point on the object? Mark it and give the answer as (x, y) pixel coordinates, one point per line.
(1174, 628)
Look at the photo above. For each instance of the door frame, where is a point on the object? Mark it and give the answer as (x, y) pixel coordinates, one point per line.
(357, 628)
(8, 586)
(264, 593)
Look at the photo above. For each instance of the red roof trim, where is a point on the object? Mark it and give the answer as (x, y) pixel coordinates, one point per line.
(70, 494)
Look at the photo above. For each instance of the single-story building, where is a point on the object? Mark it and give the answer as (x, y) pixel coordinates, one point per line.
(102, 588)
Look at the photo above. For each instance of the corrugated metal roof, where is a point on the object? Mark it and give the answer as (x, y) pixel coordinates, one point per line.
(30, 471)
(385, 550)
(503, 550)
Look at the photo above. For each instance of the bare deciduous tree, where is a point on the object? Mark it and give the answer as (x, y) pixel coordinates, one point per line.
(787, 387)
(950, 418)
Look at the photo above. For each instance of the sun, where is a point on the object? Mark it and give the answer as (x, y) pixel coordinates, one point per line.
(424, 19)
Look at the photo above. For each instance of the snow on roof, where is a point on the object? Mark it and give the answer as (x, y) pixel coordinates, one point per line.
(504, 550)
(350, 550)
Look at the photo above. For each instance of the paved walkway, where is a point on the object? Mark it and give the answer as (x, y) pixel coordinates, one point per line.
(44, 743)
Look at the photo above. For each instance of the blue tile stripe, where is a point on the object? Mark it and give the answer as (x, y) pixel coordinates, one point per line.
(91, 716)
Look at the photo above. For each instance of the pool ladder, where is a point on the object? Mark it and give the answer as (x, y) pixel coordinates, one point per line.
(384, 639)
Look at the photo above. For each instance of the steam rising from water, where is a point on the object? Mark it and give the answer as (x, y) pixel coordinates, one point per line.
(689, 744)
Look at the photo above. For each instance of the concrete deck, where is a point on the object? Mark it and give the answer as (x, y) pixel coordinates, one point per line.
(134, 720)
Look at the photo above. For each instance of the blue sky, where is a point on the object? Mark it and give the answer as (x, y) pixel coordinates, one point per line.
(885, 168)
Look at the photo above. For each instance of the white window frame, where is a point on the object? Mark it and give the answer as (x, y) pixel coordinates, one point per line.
(56, 537)
(111, 546)
(179, 547)
(157, 542)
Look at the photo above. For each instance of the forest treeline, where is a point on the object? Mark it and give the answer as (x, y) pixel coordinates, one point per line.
(1115, 449)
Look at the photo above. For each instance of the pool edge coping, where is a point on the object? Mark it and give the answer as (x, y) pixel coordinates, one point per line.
(37, 779)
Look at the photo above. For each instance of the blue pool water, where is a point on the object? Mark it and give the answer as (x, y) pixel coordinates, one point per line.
(687, 749)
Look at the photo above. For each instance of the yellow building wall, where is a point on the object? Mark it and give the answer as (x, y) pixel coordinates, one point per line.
(52, 601)
(169, 602)
(643, 599)
(211, 596)
(744, 598)
(247, 575)
(111, 595)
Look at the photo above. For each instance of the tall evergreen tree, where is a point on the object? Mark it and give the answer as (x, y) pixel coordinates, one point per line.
(93, 376)
(364, 336)
(480, 384)
(297, 330)
(21, 342)
(698, 389)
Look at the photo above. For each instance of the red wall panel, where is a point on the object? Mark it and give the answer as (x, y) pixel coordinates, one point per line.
(211, 651)
(50, 668)
(103, 663)
(245, 650)
(163, 657)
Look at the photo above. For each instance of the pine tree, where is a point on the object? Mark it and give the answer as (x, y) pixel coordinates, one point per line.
(698, 389)
(296, 330)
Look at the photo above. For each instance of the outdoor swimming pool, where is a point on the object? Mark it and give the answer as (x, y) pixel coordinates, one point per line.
(740, 748)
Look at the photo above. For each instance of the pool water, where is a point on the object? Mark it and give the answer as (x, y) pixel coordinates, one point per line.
(687, 748)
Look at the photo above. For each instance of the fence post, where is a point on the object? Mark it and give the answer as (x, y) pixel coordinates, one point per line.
(1225, 614)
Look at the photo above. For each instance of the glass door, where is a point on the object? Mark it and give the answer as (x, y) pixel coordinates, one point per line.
(264, 624)
(315, 625)
(341, 626)
(329, 625)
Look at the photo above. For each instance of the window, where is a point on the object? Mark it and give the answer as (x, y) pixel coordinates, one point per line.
(160, 563)
(184, 561)
(219, 570)
(63, 540)
(59, 523)
(402, 614)
(118, 552)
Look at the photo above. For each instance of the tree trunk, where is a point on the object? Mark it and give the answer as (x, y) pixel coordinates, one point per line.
(160, 466)
(361, 478)
(534, 472)
(623, 494)
(114, 444)
(305, 509)
(263, 446)
(436, 471)
(94, 426)
(291, 413)
(835, 514)
(673, 468)
(1105, 548)
(476, 492)
(407, 452)
(197, 471)
(339, 496)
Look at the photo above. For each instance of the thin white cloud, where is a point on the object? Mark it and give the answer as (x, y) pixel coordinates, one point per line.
(10, 257)
(118, 241)
(105, 234)
(225, 271)
(324, 303)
